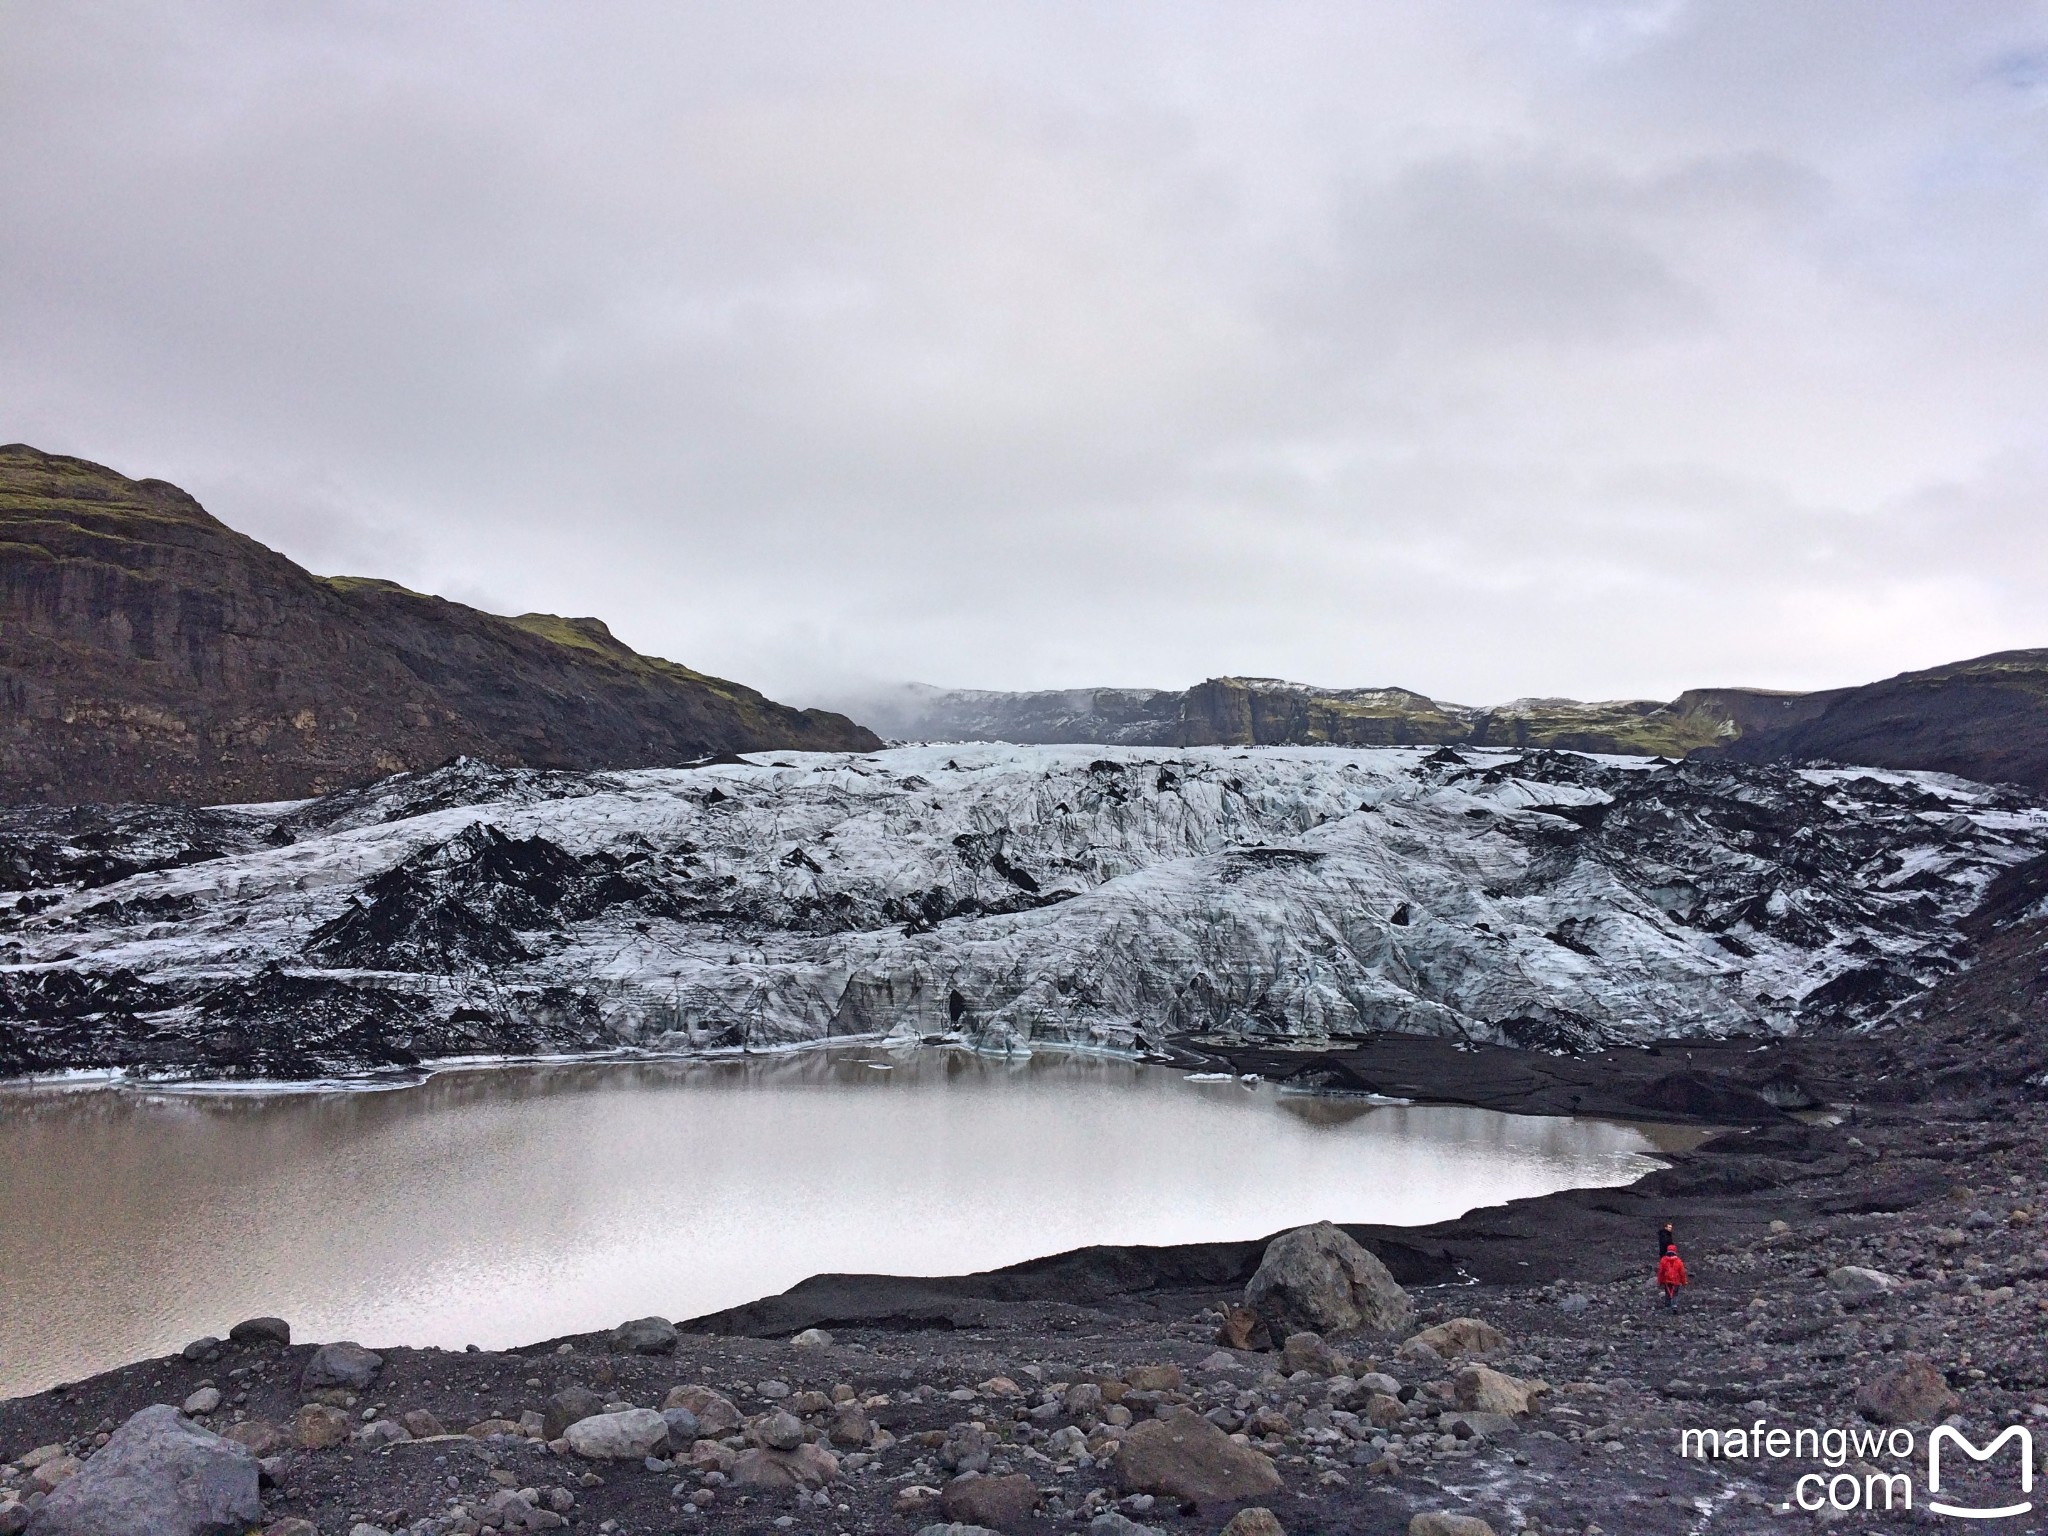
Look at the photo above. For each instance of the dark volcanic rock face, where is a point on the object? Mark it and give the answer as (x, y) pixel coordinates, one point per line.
(1006, 897)
(150, 653)
(1983, 719)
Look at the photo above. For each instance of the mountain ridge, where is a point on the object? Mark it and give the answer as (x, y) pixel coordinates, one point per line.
(1984, 719)
(148, 652)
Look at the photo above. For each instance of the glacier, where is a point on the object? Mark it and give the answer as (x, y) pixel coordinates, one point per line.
(1002, 897)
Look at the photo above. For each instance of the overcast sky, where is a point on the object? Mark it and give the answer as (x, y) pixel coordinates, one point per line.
(1597, 347)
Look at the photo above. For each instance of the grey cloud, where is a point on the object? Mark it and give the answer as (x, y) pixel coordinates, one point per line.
(1577, 347)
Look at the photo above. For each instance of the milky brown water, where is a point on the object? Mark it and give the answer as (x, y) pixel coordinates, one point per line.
(507, 1205)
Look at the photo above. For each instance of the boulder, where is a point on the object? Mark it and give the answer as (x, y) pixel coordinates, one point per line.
(422, 1424)
(683, 1428)
(1242, 1329)
(1183, 1456)
(849, 1426)
(1002, 1502)
(955, 1528)
(1115, 1523)
(1316, 1279)
(716, 1413)
(316, 1426)
(1254, 1522)
(261, 1330)
(159, 1475)
(633, 1435)
(198, 1350)
(1854, 1283)
(566, 1407)
(1462, 1336)
(779, 1430)
(643, 1336)
(341, 1365)
(382, 1432)
(808, 1466)
(1154, 1378)
(1308, 1352)
(1481, 1389)
(54, 1471)
(205, 1400)
(1444, 1523)
(1383, 1411)
(1913, 1392)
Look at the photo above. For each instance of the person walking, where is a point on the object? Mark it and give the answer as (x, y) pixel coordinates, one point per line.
(1670, 1277)
(1666, 1240)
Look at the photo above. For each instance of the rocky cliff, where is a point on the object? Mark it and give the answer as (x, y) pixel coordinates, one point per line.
(1986, 718)
(1264, 711)
(149, 652)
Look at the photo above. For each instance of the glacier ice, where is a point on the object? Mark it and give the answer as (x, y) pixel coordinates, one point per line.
(1115, 898)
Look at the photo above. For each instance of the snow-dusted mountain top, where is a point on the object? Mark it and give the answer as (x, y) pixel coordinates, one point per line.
(1112, 897)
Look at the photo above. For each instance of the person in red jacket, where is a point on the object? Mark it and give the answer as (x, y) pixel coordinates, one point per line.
(1670, 1276)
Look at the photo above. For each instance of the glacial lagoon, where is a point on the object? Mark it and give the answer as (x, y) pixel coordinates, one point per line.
(509, 1204)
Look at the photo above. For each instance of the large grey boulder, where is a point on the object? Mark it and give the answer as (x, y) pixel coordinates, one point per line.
(1318, 1280)
(159, 1475)
(644, 1336)
(341, 1365)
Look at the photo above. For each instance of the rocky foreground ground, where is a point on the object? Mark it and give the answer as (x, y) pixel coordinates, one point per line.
(1892, 1271)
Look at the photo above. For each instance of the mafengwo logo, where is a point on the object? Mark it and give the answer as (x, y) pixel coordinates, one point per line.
(1865, 1486)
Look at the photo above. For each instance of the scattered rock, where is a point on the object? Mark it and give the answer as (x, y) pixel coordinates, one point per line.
(1482, 1389)
(1002, 1502)
(201, 1350)
(568, 1406)
(205, 1400)
(54, 1471)
(778, 1431)
(683, 1426)
(644, 1336)
(1308, 1352)
(808, 1466)
(1316, 1279)
(1184, 1456)
(1444, 1523)
(633, 1435)
(261, 1330)
(291, 1525)
(1153, 1378)
(159, 1475)
(423, 1425)
(341, 1365)
(1853, 1283)
(1914, 1392)
(1254, 1522)
(716, 1413)
(316, 1426)
(1462, 1336)
(259, 1437)
(1114, 1523)
(1241, 1328)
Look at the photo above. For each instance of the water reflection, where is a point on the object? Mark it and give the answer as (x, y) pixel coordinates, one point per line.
(505, 1205)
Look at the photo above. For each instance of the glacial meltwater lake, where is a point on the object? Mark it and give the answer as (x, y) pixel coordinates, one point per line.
(506, 1205)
